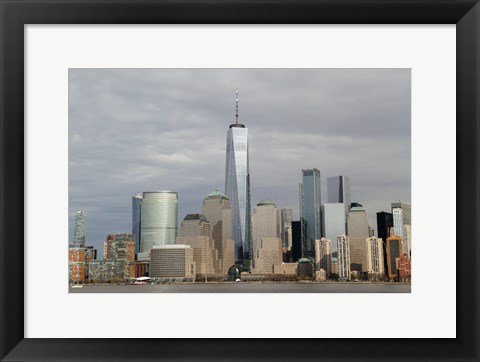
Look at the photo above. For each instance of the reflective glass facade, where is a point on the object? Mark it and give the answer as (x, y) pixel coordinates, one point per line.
(338, 191)
(310, 202)
(334, 221)
(237, 189)
(159, 219)
(136, 220)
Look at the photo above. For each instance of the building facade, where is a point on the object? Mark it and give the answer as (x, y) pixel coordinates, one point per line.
(402, 216)
(121, 247)
(159, 220)
(266, 230)
(343, 256)
(172, 261)
(286, 218)
(237, 188)
(310, 210)
(338, 191)
(334, 221)
(375, 262)
(137, 220)
(218, 211)
(394, 251)
(358, 232)
(323, 256)
(195, 231)
(80, 229)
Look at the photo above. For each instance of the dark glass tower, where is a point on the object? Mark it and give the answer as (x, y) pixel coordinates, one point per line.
(237, 188)
(310, 211)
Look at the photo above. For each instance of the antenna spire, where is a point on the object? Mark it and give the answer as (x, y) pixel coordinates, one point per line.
(236, 105)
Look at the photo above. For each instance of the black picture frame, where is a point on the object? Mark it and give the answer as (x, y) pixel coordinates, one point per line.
(15, 14)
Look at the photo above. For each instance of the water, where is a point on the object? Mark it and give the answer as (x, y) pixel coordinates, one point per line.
(249, 288)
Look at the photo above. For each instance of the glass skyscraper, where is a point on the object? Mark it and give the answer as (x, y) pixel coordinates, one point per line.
(136, 220)
(159, 219)
(338, 191)
(237, 188)
(80, 231)
(310, 201)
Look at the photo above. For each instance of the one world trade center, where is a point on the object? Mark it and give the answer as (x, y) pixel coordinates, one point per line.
(237, 188)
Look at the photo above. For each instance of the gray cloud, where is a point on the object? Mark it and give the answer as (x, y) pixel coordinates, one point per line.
(133, 130)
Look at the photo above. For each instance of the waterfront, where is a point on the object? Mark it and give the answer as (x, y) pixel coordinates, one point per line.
(249, 288)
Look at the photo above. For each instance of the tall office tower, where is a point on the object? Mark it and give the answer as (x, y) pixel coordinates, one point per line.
(407, 244)
(159, 220)
(384, 225)
(267, 245)
(357, 226)
(402, 215)
(286, 219)
(136, 220)
(343, 255)
(172, 261)
(237, 188)
(218, 211)
(310, 201)
(338, 191)
(296, 240)
(375, 263)
(334, 221)
(394, 251)
(323, 255)
(195, 231)
(80, 230)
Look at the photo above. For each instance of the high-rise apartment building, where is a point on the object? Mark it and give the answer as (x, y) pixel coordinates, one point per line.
(159, 220)
(402, 215)
(267, 245)
(80, 229)
(218, 211)
(323, 255)
(343, 255)
(286, 218)
(195, 231)
(358, 232)
(334, 221)
(121, 247)
(137, 220)
(237, 188)
(338, 191)
(310, 210)
(375, 262)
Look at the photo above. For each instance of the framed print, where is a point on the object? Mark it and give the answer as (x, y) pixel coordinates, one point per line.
(41, 320)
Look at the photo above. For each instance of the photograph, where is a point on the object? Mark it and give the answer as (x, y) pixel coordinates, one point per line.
(255, 180)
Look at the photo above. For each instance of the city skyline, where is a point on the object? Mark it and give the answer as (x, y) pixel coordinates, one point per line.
(138, 130)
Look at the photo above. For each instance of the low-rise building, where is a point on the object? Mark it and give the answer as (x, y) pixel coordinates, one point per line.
(172, 261)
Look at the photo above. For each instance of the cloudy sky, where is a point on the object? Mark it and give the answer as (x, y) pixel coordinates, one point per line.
(135, 130)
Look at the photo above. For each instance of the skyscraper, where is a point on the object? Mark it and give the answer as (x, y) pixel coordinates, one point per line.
(267, 245)
(394, 251)
(80, 231)
(323, 256)
(136, 220)
(218, 211)
(402, 216)
(334, 221)
(375, 263)
(237, 188)
(195, 231)
(343, 253)
(159, 220)
(338, 191)
(310, 201)
(286, 217)
(358, 234)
